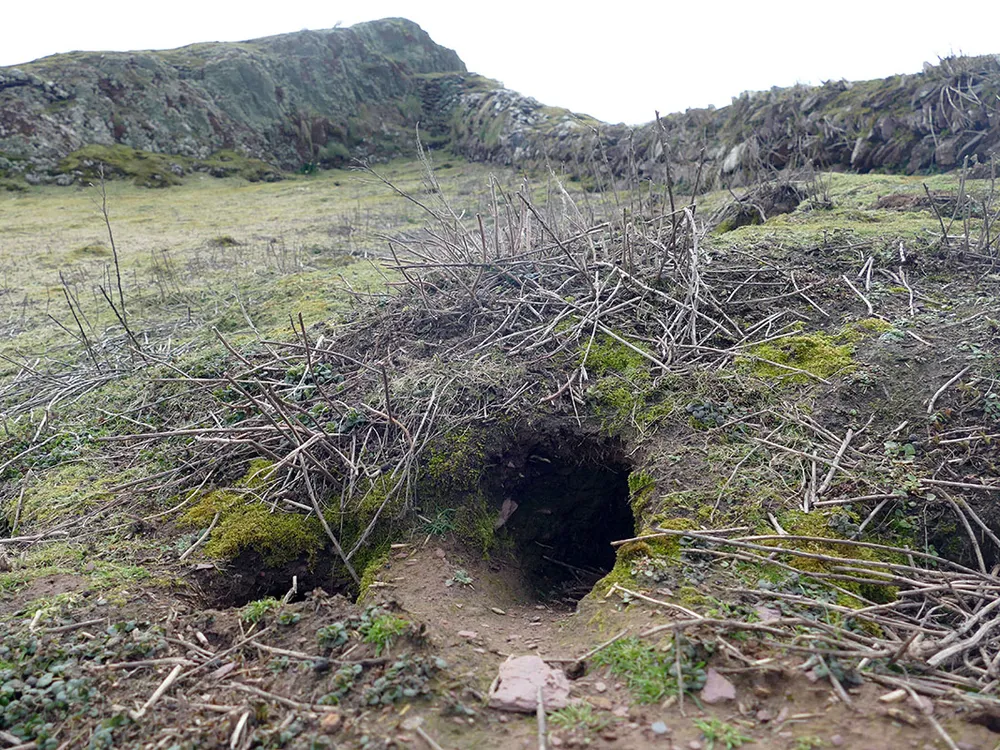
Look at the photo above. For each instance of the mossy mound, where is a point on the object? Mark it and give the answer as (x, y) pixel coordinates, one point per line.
(156, 170)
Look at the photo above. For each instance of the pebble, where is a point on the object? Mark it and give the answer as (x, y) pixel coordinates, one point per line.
(600, 687)
(836, 740)
(659, 728)
(470, 634)
(695, 745)
(497, 611)
(555, 741)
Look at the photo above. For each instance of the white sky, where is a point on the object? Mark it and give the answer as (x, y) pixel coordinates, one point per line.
(617, 61)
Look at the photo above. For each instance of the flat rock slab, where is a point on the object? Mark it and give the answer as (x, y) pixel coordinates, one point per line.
(717, 688)
(518, 682)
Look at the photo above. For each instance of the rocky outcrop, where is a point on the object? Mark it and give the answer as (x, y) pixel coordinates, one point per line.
(323, 97)
(291, 99)
(908, 123)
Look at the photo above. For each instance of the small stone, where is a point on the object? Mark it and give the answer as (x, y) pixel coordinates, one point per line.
(836, 740)
(659, 728)
(764, 715)
(497, 611)
(469, 634)
(694, 745)
(600, 687)
(439, 552)
(555, 741)
(601, 703)
(609, 735)
(767, 614)
(717, 688)
(620, 711)
(330, 722)
(518, 683)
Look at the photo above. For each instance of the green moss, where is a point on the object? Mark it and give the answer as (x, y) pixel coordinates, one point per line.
(608, 355)
(156, 170)
(816, 353)
(641, 487)
(278, 537)
(245, 526)
(372, 567)
(827, 524)
(145, 168)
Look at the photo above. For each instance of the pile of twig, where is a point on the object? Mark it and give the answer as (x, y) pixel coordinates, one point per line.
(937, 623)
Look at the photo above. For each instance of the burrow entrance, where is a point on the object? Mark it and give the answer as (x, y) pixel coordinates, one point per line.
(565, 497)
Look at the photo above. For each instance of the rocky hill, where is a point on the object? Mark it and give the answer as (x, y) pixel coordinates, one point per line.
(320, 98)
(289, 99)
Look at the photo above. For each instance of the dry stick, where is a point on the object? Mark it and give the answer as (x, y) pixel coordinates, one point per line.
(114, 248)
(540, 716)
(943, 388)
(430, 740)
(871, 517)
(836, 463)
(628, 592)
(837, 687)
(963, 485)
(871, 310)
(17, 508)
(234, 740)
(121, 319)
(326, 526)
(971, 534)
(187, 553)
(583, 271)
(73, 626)
(581, 659)
(979, 522)
(164, 686)
(86, 341)
(315, 708)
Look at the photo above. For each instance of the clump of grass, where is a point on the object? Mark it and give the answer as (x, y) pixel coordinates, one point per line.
(578, 716)
(382, 630)
(651, 674)
(716, 731)
(254, 612)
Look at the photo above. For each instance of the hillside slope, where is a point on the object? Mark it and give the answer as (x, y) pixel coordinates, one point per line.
(283, 99)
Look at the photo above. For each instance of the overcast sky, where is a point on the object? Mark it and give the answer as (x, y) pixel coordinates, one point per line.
(616, 61)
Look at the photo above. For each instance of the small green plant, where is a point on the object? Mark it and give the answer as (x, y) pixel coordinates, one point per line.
(332, 636)
(579, 716)
(441, 523)
(408, 677)
(808, 743)
(381, 630)
(726, 735)
(289, 618)
(343, 680)
(254, 612)
(651, 674)
(460, 578)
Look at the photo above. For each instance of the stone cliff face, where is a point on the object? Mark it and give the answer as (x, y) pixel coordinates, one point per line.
(289, 99)
(908, 123)
(322, 97)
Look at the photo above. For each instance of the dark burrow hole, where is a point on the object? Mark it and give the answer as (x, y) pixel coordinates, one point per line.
(248, 578)
(572, 500)
(563, 498)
